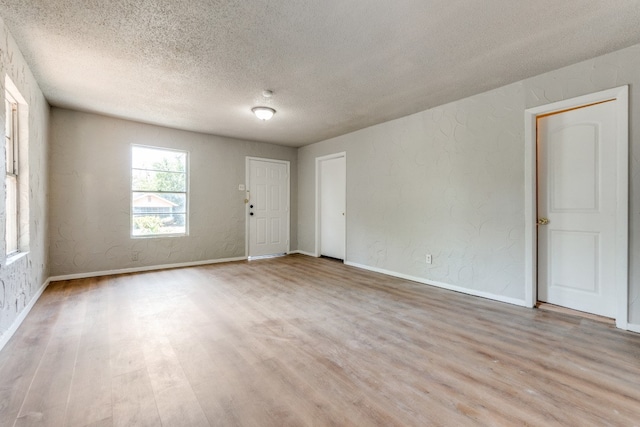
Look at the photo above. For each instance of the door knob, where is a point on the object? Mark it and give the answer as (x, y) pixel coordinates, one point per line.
(251, 213)
(251, 206)
(543, 221)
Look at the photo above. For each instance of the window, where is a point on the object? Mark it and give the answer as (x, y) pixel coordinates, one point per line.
(12, 225)
(16, 180)
(158, 191)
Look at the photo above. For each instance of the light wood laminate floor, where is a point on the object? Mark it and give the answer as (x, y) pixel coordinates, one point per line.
(300, 341)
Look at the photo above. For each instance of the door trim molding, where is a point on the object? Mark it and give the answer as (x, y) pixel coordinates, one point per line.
(247, 183)
(318, 161)
(621, 97)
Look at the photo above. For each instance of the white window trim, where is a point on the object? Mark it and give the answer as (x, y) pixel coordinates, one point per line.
(186, 193)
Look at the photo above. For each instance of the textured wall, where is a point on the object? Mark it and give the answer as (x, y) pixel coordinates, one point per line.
(90, 187)
(446, 182)
(20, 280)
(449, 181)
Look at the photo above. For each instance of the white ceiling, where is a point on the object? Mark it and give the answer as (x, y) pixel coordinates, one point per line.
(334, 66)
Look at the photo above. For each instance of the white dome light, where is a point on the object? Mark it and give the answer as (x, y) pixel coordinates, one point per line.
(263, 113)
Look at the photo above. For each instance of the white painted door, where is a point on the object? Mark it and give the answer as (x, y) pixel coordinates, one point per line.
(577, 194)
(268, 207)
(332, 207)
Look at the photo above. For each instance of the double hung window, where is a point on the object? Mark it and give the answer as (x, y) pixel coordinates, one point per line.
(159, 191)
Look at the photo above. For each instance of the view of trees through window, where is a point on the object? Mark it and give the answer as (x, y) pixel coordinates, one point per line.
(158, 191)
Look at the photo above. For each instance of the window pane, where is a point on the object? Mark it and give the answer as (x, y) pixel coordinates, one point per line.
(158, 159)
(10, 135)
(11, 185)
(148, 224)
(156, 202)
(143, 180)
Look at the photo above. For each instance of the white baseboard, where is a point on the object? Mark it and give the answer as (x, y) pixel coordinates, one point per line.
(142, 269)
(303, 253)
(633, 327)
(4, 339)
(447, 286)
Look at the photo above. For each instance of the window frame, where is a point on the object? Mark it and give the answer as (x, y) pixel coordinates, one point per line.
(17, 117)
(12, 159)
(132, 192)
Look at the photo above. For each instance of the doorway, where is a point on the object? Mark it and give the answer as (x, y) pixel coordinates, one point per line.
(577, 202)
(331, 206)
(267, 207)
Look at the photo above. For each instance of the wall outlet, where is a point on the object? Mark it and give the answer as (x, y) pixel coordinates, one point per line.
(428, 259)
(134, 256)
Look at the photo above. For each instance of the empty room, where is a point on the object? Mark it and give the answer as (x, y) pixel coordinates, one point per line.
(336, 213)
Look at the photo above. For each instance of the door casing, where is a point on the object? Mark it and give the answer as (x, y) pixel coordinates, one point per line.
(318, 213)
(621, 97)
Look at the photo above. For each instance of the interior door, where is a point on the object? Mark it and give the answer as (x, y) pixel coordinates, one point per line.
(333, 207)
(577, 208)
(268, 207)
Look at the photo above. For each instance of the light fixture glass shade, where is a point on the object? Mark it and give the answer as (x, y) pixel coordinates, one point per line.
(263, 113)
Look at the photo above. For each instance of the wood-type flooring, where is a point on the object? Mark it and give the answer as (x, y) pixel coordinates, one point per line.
(301, 341)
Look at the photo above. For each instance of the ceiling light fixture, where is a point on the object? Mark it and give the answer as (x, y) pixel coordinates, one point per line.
(263, 113)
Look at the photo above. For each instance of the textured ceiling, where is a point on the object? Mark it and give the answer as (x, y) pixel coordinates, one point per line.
(334, 66)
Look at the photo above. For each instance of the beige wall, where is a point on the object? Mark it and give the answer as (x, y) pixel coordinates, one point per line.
(450, 181)
(21, 280)
(90, 184)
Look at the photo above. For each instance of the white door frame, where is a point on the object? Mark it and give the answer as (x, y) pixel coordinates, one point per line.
(621, 97)
(248, 196)
(318, 161)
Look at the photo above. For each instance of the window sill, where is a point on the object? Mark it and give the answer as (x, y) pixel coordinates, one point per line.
(157, 236)
(16, 257)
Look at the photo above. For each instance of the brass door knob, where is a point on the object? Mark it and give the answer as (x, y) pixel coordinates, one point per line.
(543, 221)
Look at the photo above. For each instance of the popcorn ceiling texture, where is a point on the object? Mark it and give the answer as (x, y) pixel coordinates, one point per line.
(335, 66)
(21, 280)
(450, 181)
(90, 179)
